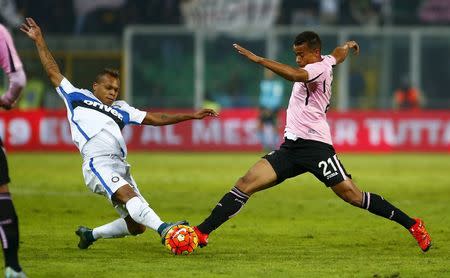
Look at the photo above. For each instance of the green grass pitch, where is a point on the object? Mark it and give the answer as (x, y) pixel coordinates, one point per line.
(297, 229)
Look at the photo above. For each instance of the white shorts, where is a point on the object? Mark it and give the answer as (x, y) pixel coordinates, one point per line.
(104, 175)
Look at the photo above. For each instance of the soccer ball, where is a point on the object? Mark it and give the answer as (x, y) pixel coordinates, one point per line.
(181, 240)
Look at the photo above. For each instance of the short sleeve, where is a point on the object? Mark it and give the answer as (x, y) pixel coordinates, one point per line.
(315, 71)
(330, 60)
(66, 87)
(135, 116)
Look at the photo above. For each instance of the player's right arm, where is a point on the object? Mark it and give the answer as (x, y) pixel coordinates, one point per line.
(285, 71)
(48, 62)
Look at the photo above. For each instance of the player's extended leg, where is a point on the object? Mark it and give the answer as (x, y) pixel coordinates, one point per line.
(140, 216)
(140, 212)
(261, 176)
(120, 227)
(376, 204)
(9, 222)
(9, 229)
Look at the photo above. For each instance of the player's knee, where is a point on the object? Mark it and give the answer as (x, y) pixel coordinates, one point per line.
(244, 184)
(136, 229)
(123, 194)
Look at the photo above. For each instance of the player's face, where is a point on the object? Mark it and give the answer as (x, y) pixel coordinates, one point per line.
(305, 55)
(107, 89)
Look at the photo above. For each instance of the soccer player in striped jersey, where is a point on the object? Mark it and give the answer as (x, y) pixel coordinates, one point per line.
(308, 146)
(9, 226)
(96, 120)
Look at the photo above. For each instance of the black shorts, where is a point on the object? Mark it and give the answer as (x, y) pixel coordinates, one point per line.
(4, 176)
(300, 156)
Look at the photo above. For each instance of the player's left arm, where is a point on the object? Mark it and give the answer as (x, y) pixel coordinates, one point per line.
(159, 119)
(285, 71)
(341, 52)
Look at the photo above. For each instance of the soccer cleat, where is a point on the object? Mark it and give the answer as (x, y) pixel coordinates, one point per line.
(85, 240)
(11, 273)
(202, 238)
(419, 232)
(169, 226)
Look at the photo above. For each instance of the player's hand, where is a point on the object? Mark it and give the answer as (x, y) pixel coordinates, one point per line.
(205, 113)
(31, 29)
(247, 53)
(353, 45)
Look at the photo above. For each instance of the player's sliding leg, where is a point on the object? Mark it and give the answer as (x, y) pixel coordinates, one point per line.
(259, 177)
(140, 211)
(376, 204)
(115, 229)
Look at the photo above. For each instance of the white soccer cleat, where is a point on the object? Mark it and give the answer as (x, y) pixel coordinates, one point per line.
(11, 273)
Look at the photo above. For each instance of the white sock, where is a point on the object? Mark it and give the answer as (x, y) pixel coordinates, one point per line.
(143, 214)
(117, 228)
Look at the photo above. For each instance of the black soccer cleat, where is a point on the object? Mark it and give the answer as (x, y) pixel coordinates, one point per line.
(85, 239)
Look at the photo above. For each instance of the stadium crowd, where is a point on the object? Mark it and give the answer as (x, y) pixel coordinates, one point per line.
(110, 16)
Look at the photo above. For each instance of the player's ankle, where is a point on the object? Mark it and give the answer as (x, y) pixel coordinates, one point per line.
(162, 227)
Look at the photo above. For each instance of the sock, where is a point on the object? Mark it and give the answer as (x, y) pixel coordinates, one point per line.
(9, 232)
(117, 228)
(230, 204)
(143, 214)
(379, 206)
(162, 227)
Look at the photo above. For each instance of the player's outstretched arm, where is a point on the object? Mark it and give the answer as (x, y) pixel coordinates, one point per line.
(285, 71)
(48, 62)
(341, 52)
(158, 119)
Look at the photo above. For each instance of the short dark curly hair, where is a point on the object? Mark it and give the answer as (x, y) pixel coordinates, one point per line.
(107, 71)
(312, 39)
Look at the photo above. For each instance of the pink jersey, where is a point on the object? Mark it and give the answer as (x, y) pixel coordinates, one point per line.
(309, 102)
(9, 60)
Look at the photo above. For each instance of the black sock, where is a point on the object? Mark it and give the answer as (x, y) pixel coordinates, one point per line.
(379, 206)
(228, 206)
(9, 231)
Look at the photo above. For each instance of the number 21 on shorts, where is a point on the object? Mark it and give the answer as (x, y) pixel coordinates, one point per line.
(330, 167)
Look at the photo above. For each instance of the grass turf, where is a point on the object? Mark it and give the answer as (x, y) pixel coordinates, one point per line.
(296, 229)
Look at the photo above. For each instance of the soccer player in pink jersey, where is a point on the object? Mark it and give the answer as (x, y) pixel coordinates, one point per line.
(308, 146)
(9, 227)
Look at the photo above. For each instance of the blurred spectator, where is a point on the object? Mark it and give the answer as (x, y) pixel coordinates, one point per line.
(303, 12)
(366, 11)
(270, 98)
(435, 11)
(357, 85)
(329, 11)
(210, 103)
(9, 13)
(83, 8)
(56, 16)
(163, 11)
(237, 92)
(406, 97)
(33, 93)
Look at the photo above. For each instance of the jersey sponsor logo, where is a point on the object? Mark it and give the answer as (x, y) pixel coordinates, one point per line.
(102, 108)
